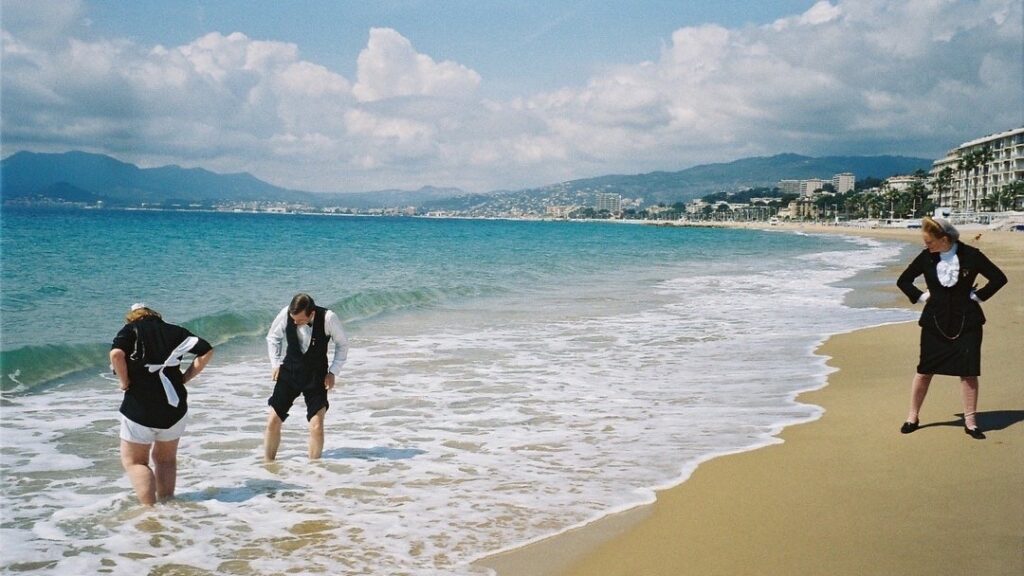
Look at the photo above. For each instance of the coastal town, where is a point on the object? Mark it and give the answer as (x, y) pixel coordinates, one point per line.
(980, 181)
(975, 181)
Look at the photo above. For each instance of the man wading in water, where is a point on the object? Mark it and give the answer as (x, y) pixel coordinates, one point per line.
(300, 367)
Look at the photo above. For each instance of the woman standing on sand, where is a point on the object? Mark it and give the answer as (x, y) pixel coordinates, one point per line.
(146, 355)
(951, 322)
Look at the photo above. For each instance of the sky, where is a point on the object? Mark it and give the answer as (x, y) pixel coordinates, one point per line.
(350, 95)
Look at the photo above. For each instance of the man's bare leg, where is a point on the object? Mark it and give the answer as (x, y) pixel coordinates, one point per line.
(316, 434)
(272, 437)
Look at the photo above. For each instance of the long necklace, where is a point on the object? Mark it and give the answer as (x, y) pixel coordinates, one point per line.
(963, 318)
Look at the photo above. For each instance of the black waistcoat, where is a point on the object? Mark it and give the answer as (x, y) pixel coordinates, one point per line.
(311, 365)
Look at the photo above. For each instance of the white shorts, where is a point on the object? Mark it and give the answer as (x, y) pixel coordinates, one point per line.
(139, 434)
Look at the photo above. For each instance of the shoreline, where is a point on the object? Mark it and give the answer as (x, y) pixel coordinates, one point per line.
(696, 525)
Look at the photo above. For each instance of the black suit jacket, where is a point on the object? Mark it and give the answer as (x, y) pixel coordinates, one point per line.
(952, 309)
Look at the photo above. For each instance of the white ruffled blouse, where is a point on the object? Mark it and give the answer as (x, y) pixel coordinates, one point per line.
(948, 268)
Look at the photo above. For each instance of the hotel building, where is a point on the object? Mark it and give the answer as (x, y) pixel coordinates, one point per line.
(789, 186)
(998, 161)
(809, 187)
(610, 202)
(845, 182)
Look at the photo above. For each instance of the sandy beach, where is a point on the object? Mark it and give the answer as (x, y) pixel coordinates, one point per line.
(846, 494)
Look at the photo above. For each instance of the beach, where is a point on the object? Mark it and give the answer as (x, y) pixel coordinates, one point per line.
(506, 381)
(847, 493)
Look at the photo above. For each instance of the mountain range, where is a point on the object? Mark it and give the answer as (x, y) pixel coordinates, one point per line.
(85, 177)
(685, 185)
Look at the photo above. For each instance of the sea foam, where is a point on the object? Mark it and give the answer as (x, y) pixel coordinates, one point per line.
(455, 431)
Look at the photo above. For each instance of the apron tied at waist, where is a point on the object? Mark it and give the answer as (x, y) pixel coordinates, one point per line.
(173, 360)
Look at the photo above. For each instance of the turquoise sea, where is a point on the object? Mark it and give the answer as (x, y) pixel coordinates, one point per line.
(507, 380)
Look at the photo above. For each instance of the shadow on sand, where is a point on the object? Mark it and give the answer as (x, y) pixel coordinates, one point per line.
(994, 420)
(990, 421)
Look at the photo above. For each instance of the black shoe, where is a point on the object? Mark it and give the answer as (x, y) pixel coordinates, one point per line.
(909, 427)
(974, 433)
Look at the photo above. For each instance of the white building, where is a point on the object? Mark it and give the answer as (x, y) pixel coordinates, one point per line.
(900, 183)
(695, 206)
(978, 168)
(808, 187)
(844, 182)
(610, 202)
(559, 211)
(789, 186)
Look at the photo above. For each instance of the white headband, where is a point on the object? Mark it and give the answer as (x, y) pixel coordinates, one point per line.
(137, 305)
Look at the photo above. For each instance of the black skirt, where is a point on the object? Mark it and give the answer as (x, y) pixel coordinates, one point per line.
(960, 356)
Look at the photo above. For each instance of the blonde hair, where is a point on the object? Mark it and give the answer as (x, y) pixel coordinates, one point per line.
(140, 313)
(939, 228)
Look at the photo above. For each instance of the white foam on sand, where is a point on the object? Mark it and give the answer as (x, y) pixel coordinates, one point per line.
(452, 434)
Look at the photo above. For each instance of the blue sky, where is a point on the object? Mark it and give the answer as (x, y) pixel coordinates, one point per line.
(519, 47)
(360, 95)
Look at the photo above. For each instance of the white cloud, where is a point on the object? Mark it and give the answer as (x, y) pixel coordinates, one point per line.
(821, 13)
(864, 77)
(389, 67)
(43, 22)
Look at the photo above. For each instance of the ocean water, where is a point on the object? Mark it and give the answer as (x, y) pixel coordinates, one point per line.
(506, 380)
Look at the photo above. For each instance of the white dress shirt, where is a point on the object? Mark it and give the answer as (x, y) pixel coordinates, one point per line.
(276, 346)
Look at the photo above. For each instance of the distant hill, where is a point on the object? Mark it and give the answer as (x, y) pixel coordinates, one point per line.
(755, 172)
(68, 193)
(685, 185)
(27, 174)
(393, 198)
(85, 177)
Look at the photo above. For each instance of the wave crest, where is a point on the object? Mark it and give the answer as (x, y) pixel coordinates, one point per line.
(29, 368)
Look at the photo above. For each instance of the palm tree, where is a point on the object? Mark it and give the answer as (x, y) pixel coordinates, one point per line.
(943, 186)
(969, 164)
(892, 199)
(985, 155)
(850, 204)
(861, 206)
(823, 202)
(918, 195)
(1015, 191)
(965, 166)
(873, 204)
(1004, 198)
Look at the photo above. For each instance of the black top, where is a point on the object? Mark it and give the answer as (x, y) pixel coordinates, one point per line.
(150, 340)
(310, 365)
(951, 309)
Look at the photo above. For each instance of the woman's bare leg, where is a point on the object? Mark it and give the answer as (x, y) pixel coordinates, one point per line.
(165, 464)
(918, 391)
(969, 391)
(135, 460)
